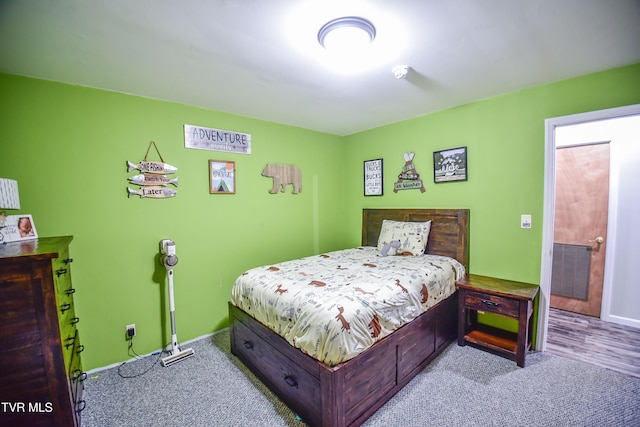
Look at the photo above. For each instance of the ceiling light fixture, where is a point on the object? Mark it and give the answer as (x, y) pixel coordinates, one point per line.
(346, 34)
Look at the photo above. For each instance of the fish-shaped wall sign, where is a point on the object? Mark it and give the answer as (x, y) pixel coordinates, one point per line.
(155, 192)
(153, 179)
(152, 167)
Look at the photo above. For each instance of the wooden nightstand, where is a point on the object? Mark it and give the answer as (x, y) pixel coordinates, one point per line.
(497, 296)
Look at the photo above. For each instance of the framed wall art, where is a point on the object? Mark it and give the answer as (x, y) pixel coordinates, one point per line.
(450, 165)
(373, 178)
(222, 177)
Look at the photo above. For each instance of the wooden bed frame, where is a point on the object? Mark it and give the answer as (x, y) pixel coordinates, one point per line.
(349, 393)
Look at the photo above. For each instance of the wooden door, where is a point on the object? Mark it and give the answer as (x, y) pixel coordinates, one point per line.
(581, 212)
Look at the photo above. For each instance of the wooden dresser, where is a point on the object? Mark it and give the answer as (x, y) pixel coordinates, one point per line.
(41, 378)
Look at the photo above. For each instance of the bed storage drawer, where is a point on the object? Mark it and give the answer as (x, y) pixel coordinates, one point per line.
(349, 393)
(447, 321)
(374, 372)
(416, 346)
(295, 386)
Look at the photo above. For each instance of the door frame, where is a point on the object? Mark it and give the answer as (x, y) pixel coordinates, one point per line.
(549, 215)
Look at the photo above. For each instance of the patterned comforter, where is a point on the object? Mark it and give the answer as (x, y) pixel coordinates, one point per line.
(333, 306)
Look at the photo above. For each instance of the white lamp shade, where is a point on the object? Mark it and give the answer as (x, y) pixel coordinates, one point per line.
(9, 194)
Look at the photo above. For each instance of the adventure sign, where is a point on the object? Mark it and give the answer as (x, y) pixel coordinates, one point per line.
(216, 139)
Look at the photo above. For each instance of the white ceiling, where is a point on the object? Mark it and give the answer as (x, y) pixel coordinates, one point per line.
(261, 59)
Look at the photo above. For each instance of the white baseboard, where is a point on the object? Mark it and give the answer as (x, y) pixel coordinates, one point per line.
(153, 353)
(623, 321)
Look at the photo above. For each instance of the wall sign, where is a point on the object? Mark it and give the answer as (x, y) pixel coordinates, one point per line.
(373, 178)
(409, 178)
(153, 180)
(450, 165)
(216, 139)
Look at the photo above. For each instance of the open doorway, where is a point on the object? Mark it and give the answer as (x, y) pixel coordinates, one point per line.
(624, 207)
(588, 241)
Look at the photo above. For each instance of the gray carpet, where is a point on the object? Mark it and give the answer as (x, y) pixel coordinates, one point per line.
(463, 387)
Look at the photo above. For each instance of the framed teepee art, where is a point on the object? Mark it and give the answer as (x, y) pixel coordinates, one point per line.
(450, 165)
(222, 177)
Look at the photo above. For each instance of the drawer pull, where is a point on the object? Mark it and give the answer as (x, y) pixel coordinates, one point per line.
(64, 307)
(486, 301)
(81, 404)
(78, 375)
(61, 271)
(70, 291)
(74, 321)
(291, 381)
(248, 345)
(69, 342)
(80, 349)
(68, 260)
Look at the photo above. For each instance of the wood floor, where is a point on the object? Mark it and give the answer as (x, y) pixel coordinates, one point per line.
(589, 339)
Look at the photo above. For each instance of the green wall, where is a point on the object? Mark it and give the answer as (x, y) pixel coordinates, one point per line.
(505, 140)
(504, 137)
(67, 147)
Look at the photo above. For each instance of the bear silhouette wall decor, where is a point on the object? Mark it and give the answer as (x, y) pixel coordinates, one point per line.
(283, 175)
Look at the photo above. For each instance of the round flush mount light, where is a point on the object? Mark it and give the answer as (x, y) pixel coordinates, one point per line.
(346, 34)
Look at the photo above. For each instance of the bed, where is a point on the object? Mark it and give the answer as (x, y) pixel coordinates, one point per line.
(345, 393)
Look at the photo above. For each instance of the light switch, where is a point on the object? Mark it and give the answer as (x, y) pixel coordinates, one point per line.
(525, 221)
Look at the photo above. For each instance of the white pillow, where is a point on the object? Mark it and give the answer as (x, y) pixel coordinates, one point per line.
(413, 236)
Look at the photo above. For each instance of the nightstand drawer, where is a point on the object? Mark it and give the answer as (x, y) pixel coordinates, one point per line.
(492, 304)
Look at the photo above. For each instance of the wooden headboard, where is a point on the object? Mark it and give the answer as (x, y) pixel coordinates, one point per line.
(449, 233)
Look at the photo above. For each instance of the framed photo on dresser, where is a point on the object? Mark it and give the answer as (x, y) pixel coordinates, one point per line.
(18, 227)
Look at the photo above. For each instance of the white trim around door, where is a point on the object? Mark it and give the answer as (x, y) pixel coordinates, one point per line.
(549, 208)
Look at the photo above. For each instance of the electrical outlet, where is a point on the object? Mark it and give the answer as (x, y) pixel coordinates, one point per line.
(525, 221)
(130, 331)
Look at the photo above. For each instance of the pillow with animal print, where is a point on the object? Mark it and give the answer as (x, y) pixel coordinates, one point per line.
(413, 236)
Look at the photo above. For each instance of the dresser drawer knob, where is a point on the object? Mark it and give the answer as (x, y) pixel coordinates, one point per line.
(64, 307)
(78, 375)
(69, 342)
(70, 291)
(486, 301)
(80, 349)
(80, 405)
(290, 381)
(74, 321)
(61, 271)
(248, 345)
(68, 260)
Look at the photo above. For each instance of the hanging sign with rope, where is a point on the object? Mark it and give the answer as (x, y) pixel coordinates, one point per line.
(153, 179)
